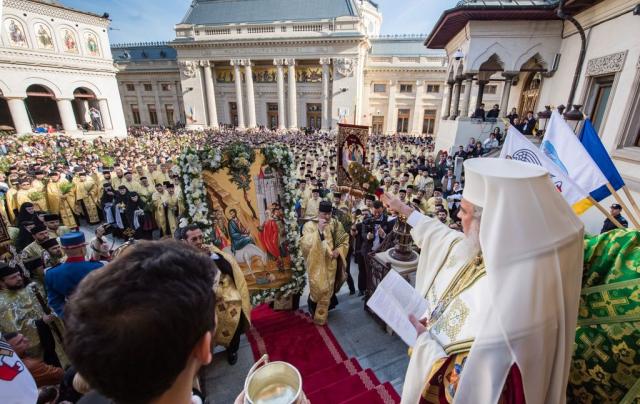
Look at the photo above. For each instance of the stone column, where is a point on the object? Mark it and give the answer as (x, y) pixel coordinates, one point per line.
(293, 97)
(481, 84)
(238, 79)
(282, 120)
(326, 78)
(506, 92)
(447, 102)
(453, 113)
(391, 108)
(211, 94)
(19, 115)
(159, 109)
(142, 108)
(418, 108)
(464, 113)
(251, 101)
(66, 115)
(103, 104)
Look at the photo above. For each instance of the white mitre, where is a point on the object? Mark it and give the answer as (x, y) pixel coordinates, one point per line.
(532, 244)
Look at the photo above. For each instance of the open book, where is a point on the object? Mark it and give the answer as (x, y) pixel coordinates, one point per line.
(393, 301)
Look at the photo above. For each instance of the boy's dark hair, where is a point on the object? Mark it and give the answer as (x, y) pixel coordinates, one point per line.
(132, 324)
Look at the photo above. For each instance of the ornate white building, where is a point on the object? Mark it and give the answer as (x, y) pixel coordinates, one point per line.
(56, 64)
(283, 64)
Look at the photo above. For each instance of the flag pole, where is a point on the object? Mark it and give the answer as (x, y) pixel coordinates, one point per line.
(624, 205)
(632, 200)
(605, 212)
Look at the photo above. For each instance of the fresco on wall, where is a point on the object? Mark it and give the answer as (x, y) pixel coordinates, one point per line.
(70, 41)
(16, 33)
(43, 36)
(92, 44)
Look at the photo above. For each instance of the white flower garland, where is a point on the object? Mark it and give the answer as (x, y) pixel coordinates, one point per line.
(279, 157)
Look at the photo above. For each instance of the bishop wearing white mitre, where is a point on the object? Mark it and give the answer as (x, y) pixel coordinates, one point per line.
(503, 297)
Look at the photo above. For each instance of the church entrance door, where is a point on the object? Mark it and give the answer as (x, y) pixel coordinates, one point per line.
(272, 115)
(530, 94)
(314, 116)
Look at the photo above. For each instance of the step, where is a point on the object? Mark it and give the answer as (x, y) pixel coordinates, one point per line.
(345, 389)
(383, 394)
(330, 375)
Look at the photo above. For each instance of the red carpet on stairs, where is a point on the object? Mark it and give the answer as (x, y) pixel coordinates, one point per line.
(328, 376)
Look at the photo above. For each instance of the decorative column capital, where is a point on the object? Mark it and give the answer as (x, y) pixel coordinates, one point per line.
(290, 62)
(205, 63)
(325, 61)
(278, 62)
(419, 83)
(510, 75)
(236, 62)
(246, 62)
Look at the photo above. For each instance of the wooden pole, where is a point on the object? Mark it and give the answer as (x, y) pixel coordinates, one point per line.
(605, 212)
(632, 200)
(624, 205)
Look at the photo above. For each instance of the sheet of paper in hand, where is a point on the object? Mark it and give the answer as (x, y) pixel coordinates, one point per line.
(393, 301)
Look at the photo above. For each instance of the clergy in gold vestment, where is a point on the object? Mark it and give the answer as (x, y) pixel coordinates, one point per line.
(325, 245)
(502, 299)
(61, 203)
(84, 197)
(233, 307)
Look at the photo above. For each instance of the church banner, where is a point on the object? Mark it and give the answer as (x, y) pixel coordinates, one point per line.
(243, 198)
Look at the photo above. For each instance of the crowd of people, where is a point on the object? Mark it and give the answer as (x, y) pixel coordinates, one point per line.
(129, 188)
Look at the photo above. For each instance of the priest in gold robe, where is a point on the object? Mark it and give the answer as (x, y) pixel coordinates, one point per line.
(233, 307)
(325, 245)
(61, 198)
(84, 197)
(502, 297)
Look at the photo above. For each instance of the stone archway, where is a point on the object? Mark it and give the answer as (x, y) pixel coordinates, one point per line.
(6, 121)
(530, 93)
(42, 107)
(83, 100)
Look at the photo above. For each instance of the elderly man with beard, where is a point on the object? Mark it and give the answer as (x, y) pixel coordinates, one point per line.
(502, 297)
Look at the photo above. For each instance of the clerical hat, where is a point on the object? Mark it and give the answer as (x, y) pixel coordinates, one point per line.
(49, 217)
(6, 270)
(325, 207)
(38, 228)
(33, 264)
(49, 243)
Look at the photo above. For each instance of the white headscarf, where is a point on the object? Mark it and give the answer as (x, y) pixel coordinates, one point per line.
(532, 244)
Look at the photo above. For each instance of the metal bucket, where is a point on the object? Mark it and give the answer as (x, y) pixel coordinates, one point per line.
(273, 383)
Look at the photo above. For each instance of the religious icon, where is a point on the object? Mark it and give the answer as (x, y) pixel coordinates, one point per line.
(69, 39)
(351, 144)
(16, 33)
(43, 34)
(249, 222)
(92, 45)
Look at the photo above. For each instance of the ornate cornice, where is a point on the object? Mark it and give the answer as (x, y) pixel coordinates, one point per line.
(57, 12)
(254, 42)
(46, 69)
(606, 64)
(58, 60)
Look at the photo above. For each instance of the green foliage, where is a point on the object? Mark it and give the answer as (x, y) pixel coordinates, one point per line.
(66, 187)
(362, 178)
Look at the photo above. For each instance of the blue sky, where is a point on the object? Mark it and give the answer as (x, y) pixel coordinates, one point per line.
(153, 20)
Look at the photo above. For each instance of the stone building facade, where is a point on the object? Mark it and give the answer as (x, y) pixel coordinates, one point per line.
(312, 65)
(55, 65)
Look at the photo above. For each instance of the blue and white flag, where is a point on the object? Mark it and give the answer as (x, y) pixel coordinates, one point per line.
(518, 147)
(592, 143)
(562, 147)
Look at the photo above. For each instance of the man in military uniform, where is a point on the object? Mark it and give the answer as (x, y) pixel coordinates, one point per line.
(616, 212)
(233, 308)
(21, 312)
(62, 280)
(40, 233)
